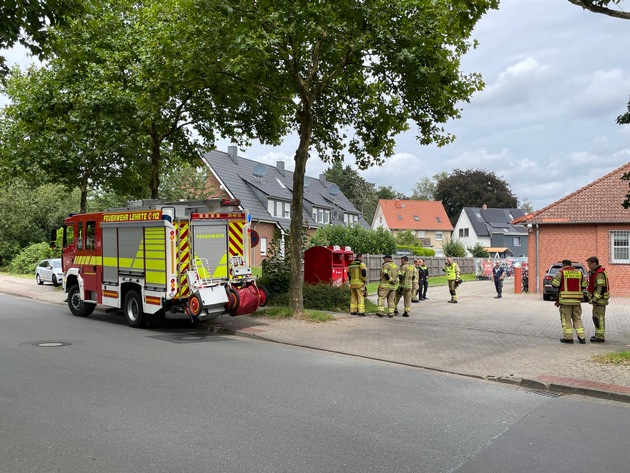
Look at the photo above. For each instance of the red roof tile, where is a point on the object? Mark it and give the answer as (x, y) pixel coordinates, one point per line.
(415, 215)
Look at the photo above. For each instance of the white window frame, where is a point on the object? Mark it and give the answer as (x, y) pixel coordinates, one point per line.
(439, 236)
(516, 241)
(620, 246)
(321, 215)
(278, 208)
(263, 246)
(350, 219)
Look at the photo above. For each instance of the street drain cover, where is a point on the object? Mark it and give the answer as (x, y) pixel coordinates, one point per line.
(49, 344)
(193, 337)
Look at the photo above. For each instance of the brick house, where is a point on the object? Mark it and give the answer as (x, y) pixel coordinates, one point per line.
(589, 222)
(266, 192)
(426, 218)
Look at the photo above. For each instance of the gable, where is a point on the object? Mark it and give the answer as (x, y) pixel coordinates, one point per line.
(415, 215)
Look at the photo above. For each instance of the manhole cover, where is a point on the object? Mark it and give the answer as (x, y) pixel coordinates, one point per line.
(49, 344)
(191, 337)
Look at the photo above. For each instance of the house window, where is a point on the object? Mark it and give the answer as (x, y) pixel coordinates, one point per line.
(416, 218)
(438, 236)
(463, 232)
(438, 220)
(421, 234)
(350, 219)
(517, 241)
(277, 208)
(263, 246)
(620, 246)
(321, 215)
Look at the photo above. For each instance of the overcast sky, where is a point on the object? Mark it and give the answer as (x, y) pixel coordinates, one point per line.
(556, 79)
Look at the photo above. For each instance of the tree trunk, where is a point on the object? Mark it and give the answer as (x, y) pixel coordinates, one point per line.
(296, 293)
(154, 182)
(83, 187)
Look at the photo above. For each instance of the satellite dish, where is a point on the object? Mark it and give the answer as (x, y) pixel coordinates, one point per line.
(259, 170)
(334, 190)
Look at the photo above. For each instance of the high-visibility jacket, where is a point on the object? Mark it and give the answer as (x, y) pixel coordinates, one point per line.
(389, 275)
(406, 276)
(598, 286)
(357, 274)
(570, 283)
(451, 271)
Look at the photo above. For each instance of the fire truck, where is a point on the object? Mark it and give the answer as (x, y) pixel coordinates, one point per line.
(154, 257)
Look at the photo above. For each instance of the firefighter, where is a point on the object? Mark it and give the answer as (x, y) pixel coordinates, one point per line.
(598, 296)
(357, 275)
(423, 280)
(406, 277)
(570, 283)
(452, 276)
(415, 290)
(387, 287)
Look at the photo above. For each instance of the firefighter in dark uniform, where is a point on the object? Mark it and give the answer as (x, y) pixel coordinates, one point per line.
(598, 296)
(423, 280)
(387, 287)
(570, 283)
(357, 275)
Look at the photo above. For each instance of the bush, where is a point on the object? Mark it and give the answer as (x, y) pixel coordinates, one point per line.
(375, 242)
(478, 251)
(26, 261)
(417, 250)
(320, 297)
(454, 248)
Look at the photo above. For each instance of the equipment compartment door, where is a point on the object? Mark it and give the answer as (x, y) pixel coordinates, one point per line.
(210, 243)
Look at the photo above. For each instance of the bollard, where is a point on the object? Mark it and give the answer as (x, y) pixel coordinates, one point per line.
(517, 279)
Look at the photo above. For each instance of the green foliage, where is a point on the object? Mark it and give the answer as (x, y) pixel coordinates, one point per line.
(473, 188)
(478, 251)
(408, 238)
(321, 297)
(29, 214)
(417, 250)
(389, 193)
(425, 187)
(379, 241)
(26, 261)
(276, 271)
(454, 248)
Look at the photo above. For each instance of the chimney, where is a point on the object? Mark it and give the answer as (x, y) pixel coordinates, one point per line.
(322, 179)
(280, 167)
(484, 207)
(233, 153)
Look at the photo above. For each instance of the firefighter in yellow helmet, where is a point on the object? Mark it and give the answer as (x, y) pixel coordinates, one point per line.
(387, 287)
(357, 275)
(570, 283)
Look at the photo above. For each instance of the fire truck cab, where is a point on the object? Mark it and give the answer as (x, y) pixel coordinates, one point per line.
(154, 257)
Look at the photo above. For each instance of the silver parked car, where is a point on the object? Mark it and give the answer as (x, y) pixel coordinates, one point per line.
(49, 270)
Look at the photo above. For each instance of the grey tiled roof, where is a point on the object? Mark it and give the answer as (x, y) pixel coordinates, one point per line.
(492, 221)
(253, 191)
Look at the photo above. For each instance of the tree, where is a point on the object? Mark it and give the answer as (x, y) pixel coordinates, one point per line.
(479, 251)
(473, 188)
(527, 206)
(454, 248)
(601, 6)
(425, 187)
(389, 193)
(407, 238)
(28, 23)
(352, 74)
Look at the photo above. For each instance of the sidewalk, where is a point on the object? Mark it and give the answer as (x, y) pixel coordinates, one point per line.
(515, 339)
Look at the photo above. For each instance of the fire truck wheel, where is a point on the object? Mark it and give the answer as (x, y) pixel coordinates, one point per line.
(133, 309)
(263, 296)
(76, 305)
(194, 305)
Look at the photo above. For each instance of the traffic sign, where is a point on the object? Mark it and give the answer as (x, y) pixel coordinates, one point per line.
(255, 238)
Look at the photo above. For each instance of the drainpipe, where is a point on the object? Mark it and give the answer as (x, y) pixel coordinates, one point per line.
(537, 262)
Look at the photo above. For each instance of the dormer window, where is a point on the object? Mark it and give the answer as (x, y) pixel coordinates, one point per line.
(321, 215)
(278, 208)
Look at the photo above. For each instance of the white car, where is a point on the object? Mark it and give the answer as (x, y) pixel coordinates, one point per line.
(49, 270)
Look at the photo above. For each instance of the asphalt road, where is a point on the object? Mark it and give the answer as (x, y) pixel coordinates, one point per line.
(94, 395)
